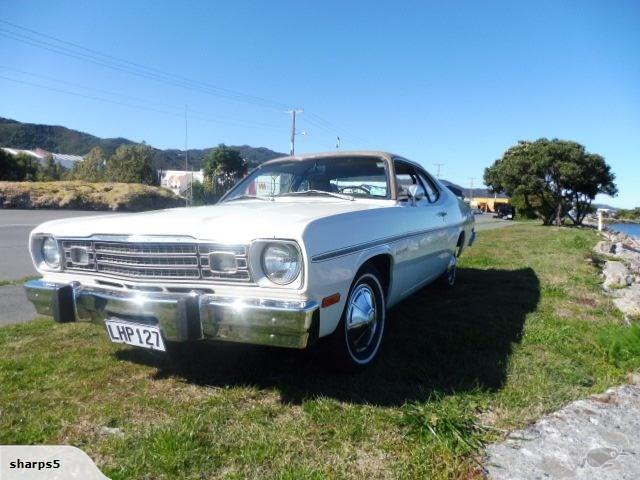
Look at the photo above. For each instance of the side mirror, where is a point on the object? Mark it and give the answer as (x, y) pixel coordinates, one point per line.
(415, 193)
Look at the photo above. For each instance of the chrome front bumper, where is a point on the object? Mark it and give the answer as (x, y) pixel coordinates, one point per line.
(183, 317)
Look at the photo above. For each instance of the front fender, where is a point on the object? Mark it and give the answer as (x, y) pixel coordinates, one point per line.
(335, 275)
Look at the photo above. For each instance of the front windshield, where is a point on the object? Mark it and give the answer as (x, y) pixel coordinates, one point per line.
(359, 177)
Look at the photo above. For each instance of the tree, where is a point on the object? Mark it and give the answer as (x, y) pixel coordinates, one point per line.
(222, 167)
(18, 168)
(224, 162)
(552, 178)
(6, 165)
(132, 164)
(92, 167)
(50, 170)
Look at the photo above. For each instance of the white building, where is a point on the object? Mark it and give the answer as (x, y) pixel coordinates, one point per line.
(179, 181)
(67, 161)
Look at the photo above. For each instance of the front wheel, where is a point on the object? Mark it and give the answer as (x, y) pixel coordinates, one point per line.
(356, 341)
(448, 278)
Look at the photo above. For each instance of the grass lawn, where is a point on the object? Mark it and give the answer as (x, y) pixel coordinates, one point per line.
(525, 331)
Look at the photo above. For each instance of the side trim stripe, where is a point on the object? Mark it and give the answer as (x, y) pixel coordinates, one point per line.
(374, 243)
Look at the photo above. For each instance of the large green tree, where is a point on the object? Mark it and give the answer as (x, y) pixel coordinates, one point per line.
(553, 178)
(223, 161)
(222, 167)
(131, 164)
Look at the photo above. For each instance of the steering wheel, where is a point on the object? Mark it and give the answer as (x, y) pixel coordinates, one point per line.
(353, 187)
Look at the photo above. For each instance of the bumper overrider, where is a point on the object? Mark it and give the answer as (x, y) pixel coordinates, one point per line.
(183, 317)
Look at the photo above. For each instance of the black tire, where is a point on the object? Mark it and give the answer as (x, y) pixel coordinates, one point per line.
(356, 341)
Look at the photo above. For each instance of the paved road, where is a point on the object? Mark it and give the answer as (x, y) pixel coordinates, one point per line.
(15, 226)
(487, 222)
(15, 262)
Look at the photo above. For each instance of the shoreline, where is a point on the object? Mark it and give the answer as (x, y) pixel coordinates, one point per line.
(621, 271)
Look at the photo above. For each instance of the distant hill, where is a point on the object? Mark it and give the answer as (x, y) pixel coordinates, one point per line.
(604, 205)
(54, 138)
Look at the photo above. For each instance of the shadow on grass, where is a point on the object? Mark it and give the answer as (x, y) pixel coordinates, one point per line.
(449, 341)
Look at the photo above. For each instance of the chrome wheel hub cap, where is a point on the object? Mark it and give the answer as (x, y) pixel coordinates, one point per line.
(362, 318)
(451, 270)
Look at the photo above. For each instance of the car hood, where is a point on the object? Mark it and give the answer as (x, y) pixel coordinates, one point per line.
(240, 221)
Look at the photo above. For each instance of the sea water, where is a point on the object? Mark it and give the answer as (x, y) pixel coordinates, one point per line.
(632, 229)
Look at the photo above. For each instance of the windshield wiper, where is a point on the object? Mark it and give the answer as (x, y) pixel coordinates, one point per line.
(245, 197)
(318, 192)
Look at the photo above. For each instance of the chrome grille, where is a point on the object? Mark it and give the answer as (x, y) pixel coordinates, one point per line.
(166, 261)
(146, 248)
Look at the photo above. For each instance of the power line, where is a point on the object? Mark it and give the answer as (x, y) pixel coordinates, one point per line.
(129, 105)
(330, 127)
(134, 68)
(144, 72)
(204, 116)
(95, 54)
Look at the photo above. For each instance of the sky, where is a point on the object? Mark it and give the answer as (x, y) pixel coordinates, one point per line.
(453, 83)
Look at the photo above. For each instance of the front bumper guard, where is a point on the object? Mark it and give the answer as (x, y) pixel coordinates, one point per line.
(183, 316)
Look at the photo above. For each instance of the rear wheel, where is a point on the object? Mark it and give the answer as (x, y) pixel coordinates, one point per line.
(448, 278)
(356, 341)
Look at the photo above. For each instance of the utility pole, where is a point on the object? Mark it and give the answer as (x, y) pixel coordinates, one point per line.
(438, 165)
(293, 113)
(337, 143)
(471, 189)
(186, 158)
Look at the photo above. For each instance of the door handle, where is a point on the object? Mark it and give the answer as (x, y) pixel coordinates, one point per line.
(442, 214)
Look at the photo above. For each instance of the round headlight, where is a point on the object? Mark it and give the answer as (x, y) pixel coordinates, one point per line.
(50, 252)
(281, 262)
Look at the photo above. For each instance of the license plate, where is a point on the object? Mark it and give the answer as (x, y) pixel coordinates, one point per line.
(145, 336)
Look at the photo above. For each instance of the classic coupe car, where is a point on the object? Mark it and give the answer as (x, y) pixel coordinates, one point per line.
(304, 248)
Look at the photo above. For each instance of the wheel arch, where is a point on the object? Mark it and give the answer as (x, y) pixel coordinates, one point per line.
(383, 261)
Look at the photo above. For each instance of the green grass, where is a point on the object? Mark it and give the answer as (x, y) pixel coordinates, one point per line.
(525, 331)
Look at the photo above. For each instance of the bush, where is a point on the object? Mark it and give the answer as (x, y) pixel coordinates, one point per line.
(87, 196)
(17, 167)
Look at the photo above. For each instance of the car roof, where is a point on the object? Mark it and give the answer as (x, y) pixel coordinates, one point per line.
(341, 154)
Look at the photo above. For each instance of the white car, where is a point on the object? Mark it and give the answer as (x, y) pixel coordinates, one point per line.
(304, 248)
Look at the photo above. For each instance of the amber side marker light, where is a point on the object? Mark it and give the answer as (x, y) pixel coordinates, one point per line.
(330, 300)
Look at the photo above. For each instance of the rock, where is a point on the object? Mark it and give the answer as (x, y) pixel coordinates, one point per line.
(615, 275)
(634, 378)
(588, 439)
(618, 247)
(604, 247)
(112, 431)
(628, 301)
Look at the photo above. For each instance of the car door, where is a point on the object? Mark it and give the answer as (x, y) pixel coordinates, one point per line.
(448, 229)
(420, 253)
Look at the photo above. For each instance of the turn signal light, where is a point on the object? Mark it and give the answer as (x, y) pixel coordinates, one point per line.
(330, 300)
